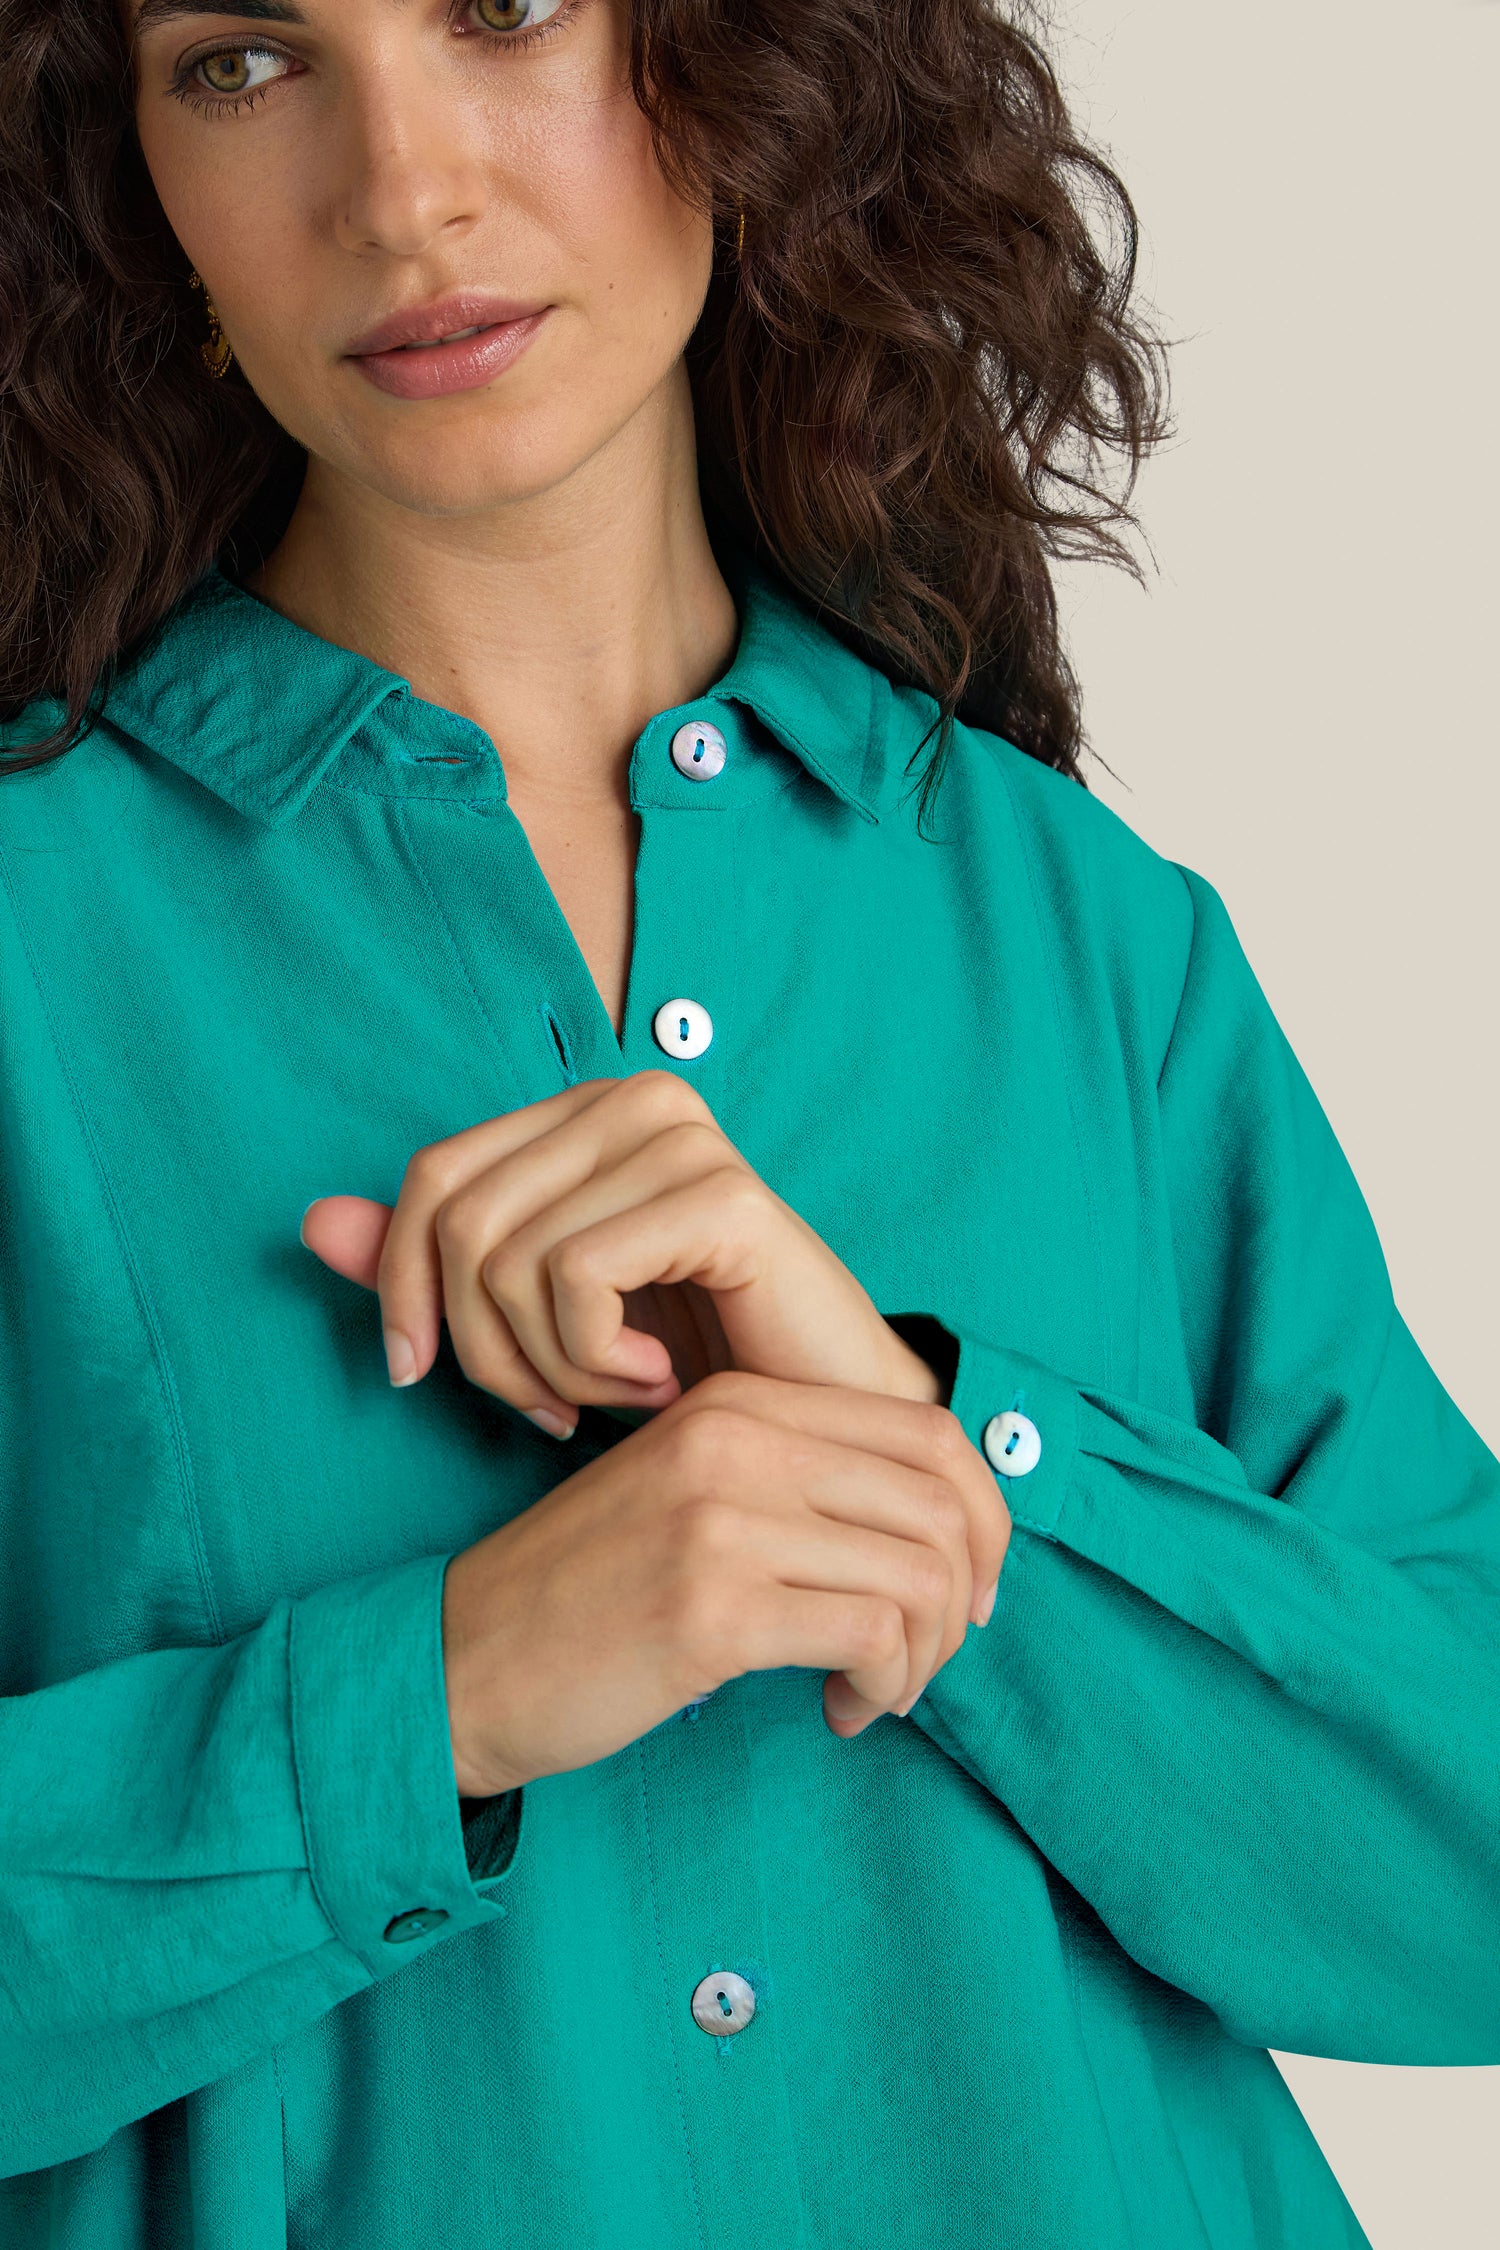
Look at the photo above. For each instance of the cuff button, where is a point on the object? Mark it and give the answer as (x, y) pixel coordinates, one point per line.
(1012, 1444)
(416, 1923)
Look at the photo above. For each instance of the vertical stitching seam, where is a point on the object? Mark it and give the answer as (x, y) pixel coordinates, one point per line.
(1065, 1050)
(414, 860)
(286, 2162)
(171, 1404)
(661, 1959)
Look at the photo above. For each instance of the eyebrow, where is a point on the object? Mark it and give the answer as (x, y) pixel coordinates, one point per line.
(246, 11)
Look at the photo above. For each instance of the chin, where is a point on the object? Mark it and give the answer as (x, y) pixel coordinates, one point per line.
(455, 462)
(455, 473)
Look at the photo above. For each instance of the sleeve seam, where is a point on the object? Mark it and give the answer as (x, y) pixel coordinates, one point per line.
(1187, 970)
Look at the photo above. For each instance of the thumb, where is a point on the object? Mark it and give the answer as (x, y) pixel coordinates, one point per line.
(348, 1233)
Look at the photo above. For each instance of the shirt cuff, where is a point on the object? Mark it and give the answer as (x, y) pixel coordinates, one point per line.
(1023, 1417)
(386, 1842)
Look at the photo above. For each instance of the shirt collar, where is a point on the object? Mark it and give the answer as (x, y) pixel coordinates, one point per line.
(255, 707)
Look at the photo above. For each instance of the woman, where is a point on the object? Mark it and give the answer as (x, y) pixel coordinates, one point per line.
(1007, 1637)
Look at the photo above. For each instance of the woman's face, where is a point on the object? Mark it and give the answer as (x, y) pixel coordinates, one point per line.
(335, 162)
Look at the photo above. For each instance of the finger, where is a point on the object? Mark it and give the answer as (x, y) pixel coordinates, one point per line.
(689, 1317)
(487, 1351)
(409, 1277)
(845, 1710)
(910, 1430)
(511, 1283)
(672, 1206)
(869, 1496)
(891, 1500)
(694, 1339)
(712, 1227)
(504, 1174)
(832, 1554)
(492, 1355)
(860, 1634)
(347, 1232)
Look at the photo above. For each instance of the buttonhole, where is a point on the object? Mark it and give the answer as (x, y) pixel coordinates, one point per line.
(560, 1043)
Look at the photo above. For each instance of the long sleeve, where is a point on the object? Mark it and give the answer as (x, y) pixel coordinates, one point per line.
(202, 1850)
(1241, 1684)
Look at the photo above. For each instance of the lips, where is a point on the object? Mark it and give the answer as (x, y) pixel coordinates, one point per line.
(464, 313)
(426, 346)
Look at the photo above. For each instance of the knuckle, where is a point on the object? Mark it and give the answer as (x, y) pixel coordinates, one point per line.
(501, 1271)
(434, 1168)
(705, 1527)
(946, 1437)
(453, 1220)
(703, 1444)
(569, 1261)
(739, 1191)
(733, 1388)
(661, 1094)
(694, 1136)
(878, 1630)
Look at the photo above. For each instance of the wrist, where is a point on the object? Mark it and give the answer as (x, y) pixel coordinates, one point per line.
(467, 1678)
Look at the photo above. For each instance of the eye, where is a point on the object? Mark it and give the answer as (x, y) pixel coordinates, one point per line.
(495, 17)
(234, 71)
(238, 76)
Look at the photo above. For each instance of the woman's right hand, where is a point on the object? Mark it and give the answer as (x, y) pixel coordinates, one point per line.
(752, 1523)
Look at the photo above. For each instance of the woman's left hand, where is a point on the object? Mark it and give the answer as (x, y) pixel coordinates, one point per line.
(608, 1246)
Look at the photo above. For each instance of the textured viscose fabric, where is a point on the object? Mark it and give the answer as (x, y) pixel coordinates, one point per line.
(1220, 1776)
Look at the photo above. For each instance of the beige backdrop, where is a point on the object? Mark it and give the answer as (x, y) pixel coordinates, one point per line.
(1303, 704)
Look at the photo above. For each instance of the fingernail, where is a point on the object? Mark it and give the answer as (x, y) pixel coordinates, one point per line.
(553, 1424)
(987, 1607)
(399, 1356)
(903, 1708)
(302, 1222)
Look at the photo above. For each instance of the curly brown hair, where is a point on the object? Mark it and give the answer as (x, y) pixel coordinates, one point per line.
(922, 379)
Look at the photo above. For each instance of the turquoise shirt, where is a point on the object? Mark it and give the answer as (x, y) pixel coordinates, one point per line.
(1220, 1776)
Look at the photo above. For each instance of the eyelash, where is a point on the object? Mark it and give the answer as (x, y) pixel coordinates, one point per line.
(230, 105)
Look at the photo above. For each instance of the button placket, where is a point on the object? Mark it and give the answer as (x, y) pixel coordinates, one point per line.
(715, 1961)
(680, 995)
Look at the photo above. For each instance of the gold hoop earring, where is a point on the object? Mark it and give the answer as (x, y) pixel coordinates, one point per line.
(217, 353)
(739, 247)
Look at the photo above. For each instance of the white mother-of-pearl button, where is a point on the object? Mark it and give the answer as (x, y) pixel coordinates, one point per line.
(1012, 1444)
(723, 2003)
(699, 750)
(682, 1027)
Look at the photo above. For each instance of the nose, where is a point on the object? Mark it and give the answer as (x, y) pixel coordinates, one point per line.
(409, 170)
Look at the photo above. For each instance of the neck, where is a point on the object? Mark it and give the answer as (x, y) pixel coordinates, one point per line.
(560, 622)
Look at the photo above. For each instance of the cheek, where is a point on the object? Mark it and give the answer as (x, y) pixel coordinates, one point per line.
(237, 226)
(644, 253)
